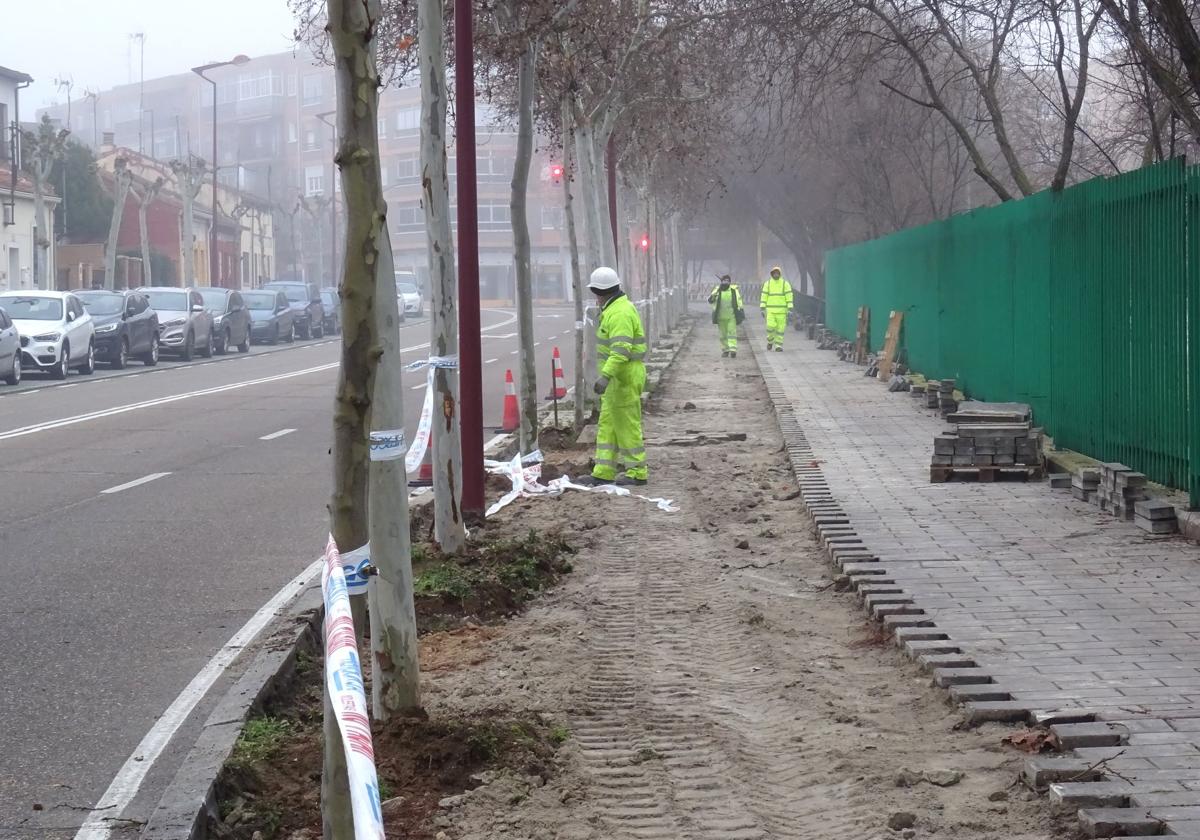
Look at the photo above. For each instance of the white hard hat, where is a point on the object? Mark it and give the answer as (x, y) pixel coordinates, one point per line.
(603, 279)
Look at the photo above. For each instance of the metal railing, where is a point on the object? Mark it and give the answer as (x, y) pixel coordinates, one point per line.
(1084, 304)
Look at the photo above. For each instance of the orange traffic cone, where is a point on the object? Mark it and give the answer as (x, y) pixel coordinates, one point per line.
(512, 414)
(559, 389)
(424, 472)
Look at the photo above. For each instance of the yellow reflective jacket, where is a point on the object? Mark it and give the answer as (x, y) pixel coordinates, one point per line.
(621, 344)
(725, 303)
(776, 294)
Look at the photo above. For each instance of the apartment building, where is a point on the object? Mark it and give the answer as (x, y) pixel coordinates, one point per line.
(18, 222)
(275, 141)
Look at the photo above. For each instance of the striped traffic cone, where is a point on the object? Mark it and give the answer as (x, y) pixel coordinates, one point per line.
(559, 389)
(512, 413)
(424, 472)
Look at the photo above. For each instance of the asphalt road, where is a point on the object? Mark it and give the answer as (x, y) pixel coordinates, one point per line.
(145, 515)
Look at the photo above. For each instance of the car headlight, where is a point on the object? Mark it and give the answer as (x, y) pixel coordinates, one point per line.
(176, 322)
(53, 336)
(107, 328)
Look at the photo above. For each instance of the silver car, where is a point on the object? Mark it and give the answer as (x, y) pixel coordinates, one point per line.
(57, 333)
(408, 295)
(10, 350)
(185, 327)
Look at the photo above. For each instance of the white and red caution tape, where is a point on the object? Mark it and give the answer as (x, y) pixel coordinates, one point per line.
(344, 681)
(525, 473)
(420, 442)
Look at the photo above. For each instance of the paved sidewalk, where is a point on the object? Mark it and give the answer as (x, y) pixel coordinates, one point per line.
(1027, 604)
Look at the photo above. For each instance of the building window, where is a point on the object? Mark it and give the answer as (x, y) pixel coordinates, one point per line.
(314, 180)
(166, 144)
(312, 140)
(313, 86)
(258, 85)
(383, 176)
(4, 132)
(291, 84)
(405, 168)
(407, 215)
(494, 215)
(291, 132)
(552, 218)
(494, 169)
(381, 127)
(408, 119)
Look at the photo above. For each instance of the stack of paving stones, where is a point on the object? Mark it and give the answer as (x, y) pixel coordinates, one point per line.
(988, 440)
(1120, 489)
(946, 403)
(1156, 516)
(1084, 483)
(931, 393)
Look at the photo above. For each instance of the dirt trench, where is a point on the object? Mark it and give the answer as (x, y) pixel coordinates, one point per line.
(709, 681)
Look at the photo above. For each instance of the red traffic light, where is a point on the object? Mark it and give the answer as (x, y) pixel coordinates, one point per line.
(645, 243)
(556, 170)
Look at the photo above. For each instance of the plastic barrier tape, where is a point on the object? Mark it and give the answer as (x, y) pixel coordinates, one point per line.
(344, 681)
(354, 563)
(526, 481)
(416, 452)
(388, 445)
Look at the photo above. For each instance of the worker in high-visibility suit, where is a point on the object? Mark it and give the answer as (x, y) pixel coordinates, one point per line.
(621, 350)
(726, 302)
(776, 304)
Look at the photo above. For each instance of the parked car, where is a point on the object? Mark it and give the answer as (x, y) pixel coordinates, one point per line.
(56, 331)
(409, 295)
(126, 326)
(231, 320)
(332, 304)
(10, 350)
(305, 300)
(185, 327)
(272, 318)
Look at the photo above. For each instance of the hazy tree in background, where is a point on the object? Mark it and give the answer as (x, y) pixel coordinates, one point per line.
(189, 177)
(43, 148)
(145, 194)
(122, 180)
(90, 206)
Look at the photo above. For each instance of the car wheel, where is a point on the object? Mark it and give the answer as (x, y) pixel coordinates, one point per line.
(64, 366)
(122, 357)
(14, 376)
(89, 364)
(222, 346)
(189, 347)
(151, 358)
(207, 350)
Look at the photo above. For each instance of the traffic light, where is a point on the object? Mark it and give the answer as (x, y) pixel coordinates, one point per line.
(556, 171)
(645, 243)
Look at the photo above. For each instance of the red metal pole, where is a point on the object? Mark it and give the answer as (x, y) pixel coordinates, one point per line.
(612, 196)
(470, 354)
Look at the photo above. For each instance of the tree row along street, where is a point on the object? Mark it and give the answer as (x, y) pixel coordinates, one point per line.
(141, 539)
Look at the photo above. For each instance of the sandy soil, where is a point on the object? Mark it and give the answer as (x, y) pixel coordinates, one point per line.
(707, 690)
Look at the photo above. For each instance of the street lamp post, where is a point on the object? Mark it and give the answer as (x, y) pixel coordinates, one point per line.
(237, 60)
(333, 258)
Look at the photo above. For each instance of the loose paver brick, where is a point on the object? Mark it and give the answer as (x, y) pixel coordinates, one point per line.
(1023, 601)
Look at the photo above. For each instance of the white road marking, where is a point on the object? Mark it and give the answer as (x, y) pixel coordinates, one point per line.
(503, 335)
(551, 337)
(278, 434)
(123, 409)
(489, 361)
(72, 385)
(417, 387)
(34, 391)
(129, 778)
(514, 352)
(537, 344)
(137, 482)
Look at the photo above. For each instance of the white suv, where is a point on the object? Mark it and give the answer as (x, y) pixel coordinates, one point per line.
(56, 331)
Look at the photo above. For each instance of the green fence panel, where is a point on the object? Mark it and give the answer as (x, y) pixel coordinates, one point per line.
(1078, 303)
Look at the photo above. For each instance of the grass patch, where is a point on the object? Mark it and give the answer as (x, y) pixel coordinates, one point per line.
(260, 741)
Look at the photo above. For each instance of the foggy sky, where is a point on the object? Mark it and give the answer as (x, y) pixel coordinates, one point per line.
(89, 39)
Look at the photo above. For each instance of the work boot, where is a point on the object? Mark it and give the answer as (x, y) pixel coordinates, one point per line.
(733, 354)
(627, 481)
(778, 348)
(770, 347)
(591, 481)
(724, 354)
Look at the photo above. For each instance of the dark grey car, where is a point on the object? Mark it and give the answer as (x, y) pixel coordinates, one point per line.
(305, 300)
(272, 318)
(231, 320)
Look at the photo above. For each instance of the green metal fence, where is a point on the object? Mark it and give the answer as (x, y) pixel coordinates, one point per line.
(1083, 303)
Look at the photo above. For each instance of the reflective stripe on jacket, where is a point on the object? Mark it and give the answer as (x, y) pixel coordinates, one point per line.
(776, 294)
(621, 342)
